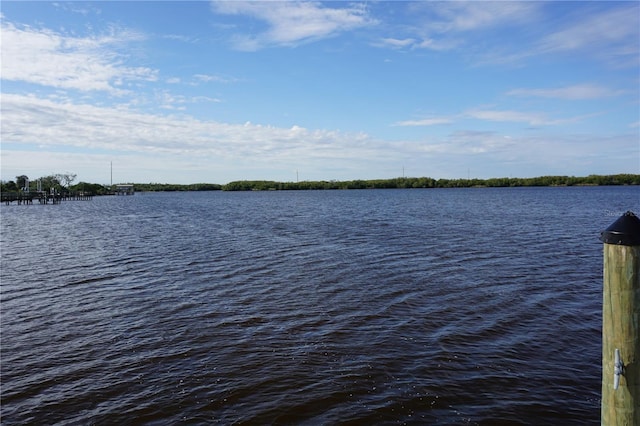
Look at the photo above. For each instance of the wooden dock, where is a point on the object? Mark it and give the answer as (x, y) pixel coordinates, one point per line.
(42, 197)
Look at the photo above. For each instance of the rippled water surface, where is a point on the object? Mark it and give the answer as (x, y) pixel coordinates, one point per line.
(442, 306)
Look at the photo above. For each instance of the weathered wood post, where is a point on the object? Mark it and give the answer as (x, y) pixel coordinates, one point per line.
(621, 323)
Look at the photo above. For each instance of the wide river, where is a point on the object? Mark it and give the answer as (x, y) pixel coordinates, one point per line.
(426, 306)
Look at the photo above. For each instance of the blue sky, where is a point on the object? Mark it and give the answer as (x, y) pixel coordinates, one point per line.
(186, 92)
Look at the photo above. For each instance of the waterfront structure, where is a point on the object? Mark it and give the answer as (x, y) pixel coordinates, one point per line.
(124, 190)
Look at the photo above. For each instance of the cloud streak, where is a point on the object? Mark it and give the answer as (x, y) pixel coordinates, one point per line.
(492, 115)
(612, 35)
(291, 23)
(576, 92)
(444, 26)
(533, 119)
(462, 16)
(431, 121)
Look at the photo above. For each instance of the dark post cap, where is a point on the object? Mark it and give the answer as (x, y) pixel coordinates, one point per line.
(624, 231)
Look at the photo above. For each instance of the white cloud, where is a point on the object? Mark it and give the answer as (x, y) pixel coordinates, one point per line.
(47, 58)
(479, 142)
(505, 116)
(172, 148)
(508, 116)
(31, 120)
(396, 43)
(168, 141)
(432, 121)
(460, 143)
(208, 78)
(432, 44)
(293, 22)
(531, 118)
(412, 43)
(87, 10)
(576, 92)
(165, 99)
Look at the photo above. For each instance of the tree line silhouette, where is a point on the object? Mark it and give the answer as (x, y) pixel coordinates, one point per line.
(426, 182)
(55, 182)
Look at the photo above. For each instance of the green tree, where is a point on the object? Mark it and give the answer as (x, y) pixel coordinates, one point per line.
(21, 181)
(90, 188)
(50, 182)
(9, 186)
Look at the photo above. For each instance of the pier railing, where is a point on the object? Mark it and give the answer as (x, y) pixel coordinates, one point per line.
(42, 197)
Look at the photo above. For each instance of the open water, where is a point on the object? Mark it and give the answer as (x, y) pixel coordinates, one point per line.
(437, 306)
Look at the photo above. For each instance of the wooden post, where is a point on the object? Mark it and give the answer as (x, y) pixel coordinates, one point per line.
(621, 323)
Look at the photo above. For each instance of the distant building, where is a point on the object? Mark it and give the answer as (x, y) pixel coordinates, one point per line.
(124, 190)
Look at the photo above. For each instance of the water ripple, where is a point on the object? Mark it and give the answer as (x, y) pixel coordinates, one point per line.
(339, 307)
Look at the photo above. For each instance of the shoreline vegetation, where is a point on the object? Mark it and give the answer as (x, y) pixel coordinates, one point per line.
(267, 185)
(426, 182)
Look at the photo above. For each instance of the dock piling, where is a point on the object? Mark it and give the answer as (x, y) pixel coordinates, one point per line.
(621, 323)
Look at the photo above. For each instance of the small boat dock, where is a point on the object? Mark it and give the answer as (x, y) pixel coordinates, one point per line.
(42, 197)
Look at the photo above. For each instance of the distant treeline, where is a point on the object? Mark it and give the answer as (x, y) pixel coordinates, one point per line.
(266, 185)
(169, 187)
(50, 183)
(425, 182)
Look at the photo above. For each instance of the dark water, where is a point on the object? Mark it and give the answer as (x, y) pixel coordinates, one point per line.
(461, 306)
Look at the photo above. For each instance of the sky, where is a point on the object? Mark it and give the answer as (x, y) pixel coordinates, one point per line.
(217, 91)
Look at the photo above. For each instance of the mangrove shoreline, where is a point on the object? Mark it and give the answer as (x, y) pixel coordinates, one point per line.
(400, 183)
(393, 183)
